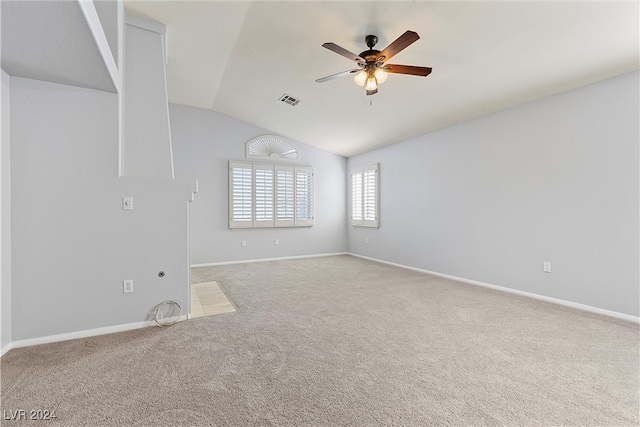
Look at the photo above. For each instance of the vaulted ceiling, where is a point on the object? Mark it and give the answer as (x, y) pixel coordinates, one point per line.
(239, 57)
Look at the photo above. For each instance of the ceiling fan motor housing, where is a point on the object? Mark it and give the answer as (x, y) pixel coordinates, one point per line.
(371, 41)
(370, 55)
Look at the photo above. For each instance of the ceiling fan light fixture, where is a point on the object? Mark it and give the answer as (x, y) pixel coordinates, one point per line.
(360, 78)
(372, 84)
(381, 75)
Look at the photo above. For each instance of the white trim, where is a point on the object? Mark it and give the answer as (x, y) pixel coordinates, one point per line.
(246, 261)
(153, 26)
(145, 324)
(5, 349)
(122, 34)
(512, 291)
(146, 24)
(86, 333)
(95, 26)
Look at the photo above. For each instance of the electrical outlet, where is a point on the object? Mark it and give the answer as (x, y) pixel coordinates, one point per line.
(127, 286)
(366, 240)
(243, 243)
(127, 203)
(546, 266)
(276, 242)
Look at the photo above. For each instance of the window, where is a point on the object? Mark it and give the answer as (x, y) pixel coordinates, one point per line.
(263, 195)
(271, 147)
(365, 195)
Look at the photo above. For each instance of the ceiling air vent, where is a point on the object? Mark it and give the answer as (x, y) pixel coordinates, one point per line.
(288, 99)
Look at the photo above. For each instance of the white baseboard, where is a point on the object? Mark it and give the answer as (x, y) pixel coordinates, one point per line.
(512, 291)
(6, 348)
(213, 264)
(145, 324)
(84, 334)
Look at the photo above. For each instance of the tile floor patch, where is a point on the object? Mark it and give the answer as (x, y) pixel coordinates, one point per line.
(207, 299)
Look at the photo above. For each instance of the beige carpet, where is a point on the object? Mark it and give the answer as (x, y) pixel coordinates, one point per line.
(342, 341)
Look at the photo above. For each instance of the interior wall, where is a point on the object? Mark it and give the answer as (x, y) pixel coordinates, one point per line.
(147, 140)
(492, 199)
(203, 144)
(5, 216)
(73, 244)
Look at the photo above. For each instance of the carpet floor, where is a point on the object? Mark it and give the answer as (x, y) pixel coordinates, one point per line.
(341, 341)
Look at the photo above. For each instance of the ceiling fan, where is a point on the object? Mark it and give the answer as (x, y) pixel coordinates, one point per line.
(372, 64)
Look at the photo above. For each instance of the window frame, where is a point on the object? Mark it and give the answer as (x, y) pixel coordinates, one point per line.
(365, 201)
(280, 186)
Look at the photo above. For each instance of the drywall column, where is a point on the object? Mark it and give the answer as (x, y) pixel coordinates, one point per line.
(146, 148)
(5, 218)
(73, 244)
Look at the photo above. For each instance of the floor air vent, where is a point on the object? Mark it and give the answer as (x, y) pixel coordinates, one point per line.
(288, 99)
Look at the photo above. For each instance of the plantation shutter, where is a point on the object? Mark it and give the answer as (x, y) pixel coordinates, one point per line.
(240, 195)
(264, 215)
(304, 196)
(263, 195)
(285, 195)
(356, 197)
(365, 194)
(370, 195)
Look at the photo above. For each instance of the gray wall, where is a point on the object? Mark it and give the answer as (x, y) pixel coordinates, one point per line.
(490, 200)
(5, 216)
(72, 242)
(203, 143)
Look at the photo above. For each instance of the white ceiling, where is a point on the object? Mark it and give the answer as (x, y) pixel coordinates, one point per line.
(239, 57)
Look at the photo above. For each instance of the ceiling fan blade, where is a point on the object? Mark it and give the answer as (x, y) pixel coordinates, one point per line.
(407, 69)
(400, 43)
(336, 75)
(342, 51)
